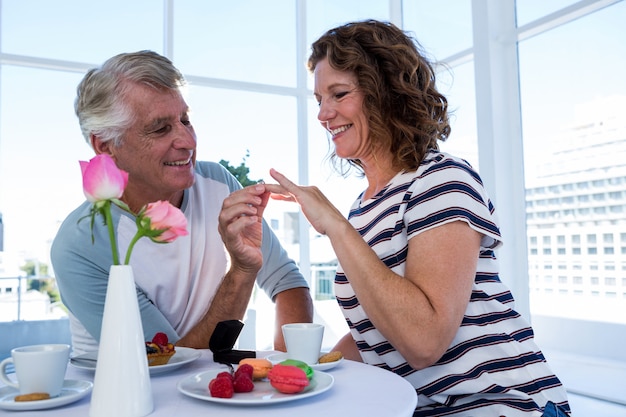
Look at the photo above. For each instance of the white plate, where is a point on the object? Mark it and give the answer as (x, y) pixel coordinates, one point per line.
(279, 357)
(182, 356)
(72, 391)
(197, 386)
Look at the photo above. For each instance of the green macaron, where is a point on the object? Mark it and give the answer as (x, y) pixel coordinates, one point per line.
(302, 365)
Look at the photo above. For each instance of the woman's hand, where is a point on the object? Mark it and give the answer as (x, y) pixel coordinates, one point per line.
(320, 212)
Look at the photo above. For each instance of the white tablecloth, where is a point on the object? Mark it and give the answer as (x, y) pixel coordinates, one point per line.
(358, 390)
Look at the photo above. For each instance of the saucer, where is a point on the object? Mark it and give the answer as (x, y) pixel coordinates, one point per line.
(182, 356)
(279, 357)
(72, 391)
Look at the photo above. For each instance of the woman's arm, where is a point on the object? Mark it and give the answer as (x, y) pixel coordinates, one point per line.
(419, 313)
(347, 346)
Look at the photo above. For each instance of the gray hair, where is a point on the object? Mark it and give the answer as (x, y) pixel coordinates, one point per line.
(100, 104)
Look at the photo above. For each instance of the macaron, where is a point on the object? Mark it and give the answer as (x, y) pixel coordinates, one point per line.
(288, 379)
(260, 366)
(308, 371)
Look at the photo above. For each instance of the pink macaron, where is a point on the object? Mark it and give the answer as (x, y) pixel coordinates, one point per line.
(288, 379)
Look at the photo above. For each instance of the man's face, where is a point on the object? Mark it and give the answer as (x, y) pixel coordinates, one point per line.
(159, 149)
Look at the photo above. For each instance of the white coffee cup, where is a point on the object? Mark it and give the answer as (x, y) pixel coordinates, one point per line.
(303, 341)
(38, 368)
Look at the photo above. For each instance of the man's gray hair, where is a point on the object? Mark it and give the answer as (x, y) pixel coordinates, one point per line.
(100, 100)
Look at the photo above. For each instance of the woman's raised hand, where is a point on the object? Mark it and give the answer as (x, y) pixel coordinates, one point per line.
(320, 212)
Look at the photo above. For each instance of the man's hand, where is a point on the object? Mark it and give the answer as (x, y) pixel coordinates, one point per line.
(240, 226)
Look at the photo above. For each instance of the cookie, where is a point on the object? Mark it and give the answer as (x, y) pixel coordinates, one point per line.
(333, 356)
(35, 396)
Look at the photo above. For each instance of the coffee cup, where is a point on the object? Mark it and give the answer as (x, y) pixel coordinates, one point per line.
(303, 341)
(38, 368)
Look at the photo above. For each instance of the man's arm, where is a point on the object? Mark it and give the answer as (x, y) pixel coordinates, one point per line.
(292, 306)
(252, 245)
(241, 229)
(230, 303)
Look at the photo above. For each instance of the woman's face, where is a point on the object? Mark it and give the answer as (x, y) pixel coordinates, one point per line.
(341, 110)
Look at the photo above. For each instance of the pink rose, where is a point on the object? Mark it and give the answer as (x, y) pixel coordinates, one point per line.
(167, 218)
(102, 179)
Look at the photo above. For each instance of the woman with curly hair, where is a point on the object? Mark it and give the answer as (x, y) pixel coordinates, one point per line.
(417, 279)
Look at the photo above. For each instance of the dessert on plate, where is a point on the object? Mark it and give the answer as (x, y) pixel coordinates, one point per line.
(159, 350)
(288, 379)
(260, 367)
(308, 371)
(333, 356)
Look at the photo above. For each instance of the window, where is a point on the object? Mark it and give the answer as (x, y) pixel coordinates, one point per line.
(226, 50)
(560, 136)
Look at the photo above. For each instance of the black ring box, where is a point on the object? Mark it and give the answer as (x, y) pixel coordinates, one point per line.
(223, 339)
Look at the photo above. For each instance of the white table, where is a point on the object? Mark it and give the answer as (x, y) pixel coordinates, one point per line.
(358, 390)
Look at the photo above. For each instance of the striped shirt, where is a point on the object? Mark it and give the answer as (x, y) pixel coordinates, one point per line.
(493, 366)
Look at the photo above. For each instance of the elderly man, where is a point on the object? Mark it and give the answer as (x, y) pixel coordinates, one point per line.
(132, 109)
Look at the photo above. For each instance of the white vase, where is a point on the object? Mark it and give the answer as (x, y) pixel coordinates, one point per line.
(122, 380)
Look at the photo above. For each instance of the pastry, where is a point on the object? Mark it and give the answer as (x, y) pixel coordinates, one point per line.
(308, 371)
(159, 350)
(288, 379)
(260, 367)
(333, 356)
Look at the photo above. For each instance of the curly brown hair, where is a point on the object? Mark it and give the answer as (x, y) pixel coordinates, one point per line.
(406, 113)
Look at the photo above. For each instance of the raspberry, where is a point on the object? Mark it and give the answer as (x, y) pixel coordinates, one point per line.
(243, 383)
(160, 339)
(244, 369)
(221, 388)
(227, 375)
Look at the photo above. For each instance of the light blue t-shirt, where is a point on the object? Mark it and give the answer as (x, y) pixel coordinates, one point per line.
(177, 281)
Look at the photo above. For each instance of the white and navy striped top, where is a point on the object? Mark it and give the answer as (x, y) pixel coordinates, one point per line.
(493, 366)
